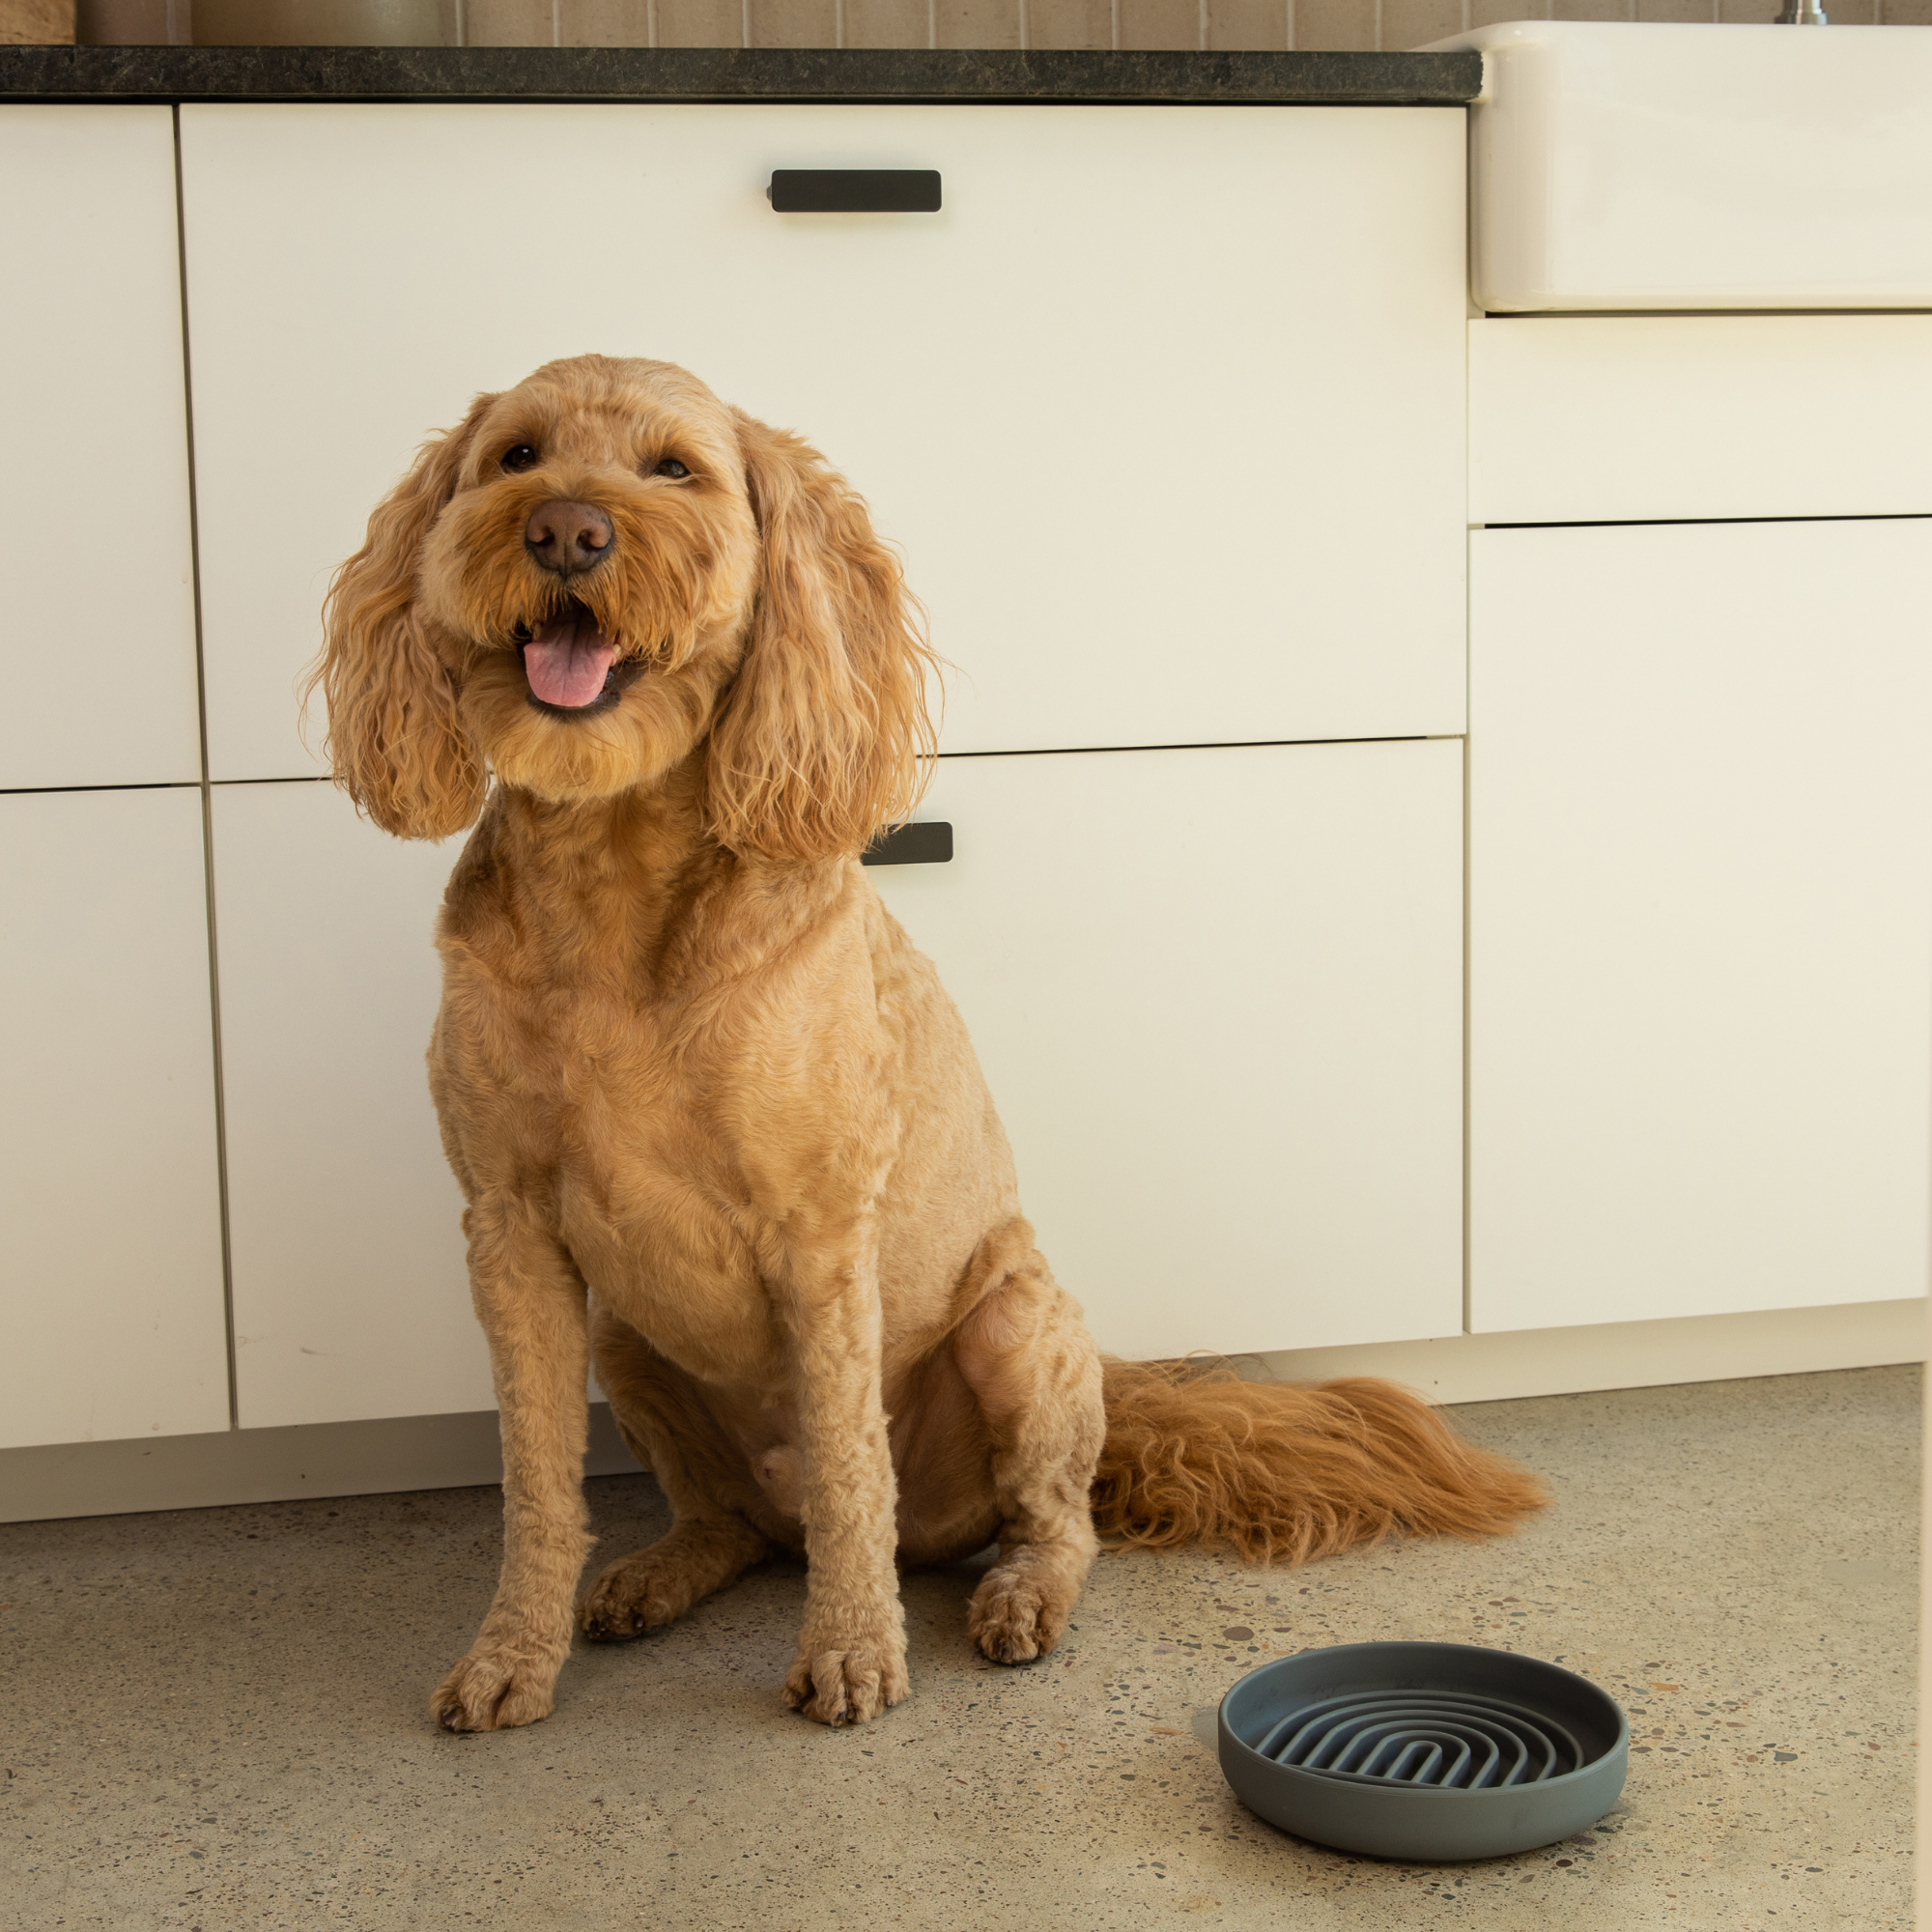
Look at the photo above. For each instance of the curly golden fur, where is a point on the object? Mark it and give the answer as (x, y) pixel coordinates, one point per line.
(1284, 1474)
(717, 1124)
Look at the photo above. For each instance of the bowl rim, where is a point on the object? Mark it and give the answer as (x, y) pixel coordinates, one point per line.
(1619, 1745)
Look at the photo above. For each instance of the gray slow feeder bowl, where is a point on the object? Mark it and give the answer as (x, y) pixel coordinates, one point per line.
(1427, 1751)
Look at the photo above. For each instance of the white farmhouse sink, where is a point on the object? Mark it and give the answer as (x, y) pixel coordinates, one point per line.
(1701, 167)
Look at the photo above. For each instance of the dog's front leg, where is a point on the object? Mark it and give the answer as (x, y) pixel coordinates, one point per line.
(530, 1301)
(851, 1653)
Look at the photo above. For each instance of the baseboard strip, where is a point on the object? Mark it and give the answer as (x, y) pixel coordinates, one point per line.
(1628, 1354)
(262, 1466)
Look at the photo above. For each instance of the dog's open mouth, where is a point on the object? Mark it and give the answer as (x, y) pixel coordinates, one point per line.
(572, 665)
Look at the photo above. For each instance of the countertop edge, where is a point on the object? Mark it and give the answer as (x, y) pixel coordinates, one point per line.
(712, 75)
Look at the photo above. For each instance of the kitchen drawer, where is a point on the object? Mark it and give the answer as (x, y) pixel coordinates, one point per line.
(1636, 418)
(351, 1297)
(93, 504)
(111, 1324)
(1149, 405)
(1217, 995)
(1701, 920)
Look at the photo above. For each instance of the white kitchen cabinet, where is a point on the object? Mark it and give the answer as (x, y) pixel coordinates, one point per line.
(94, 499)
(111, 1318)
(349, 1290)
(1643, 419)
(1148, 406)
(1701, 920)
(1217, 996)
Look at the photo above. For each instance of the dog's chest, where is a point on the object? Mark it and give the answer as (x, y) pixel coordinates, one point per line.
(621, 1116)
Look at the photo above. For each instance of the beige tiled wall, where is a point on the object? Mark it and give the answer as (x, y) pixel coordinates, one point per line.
(35, 22)
(927, 23)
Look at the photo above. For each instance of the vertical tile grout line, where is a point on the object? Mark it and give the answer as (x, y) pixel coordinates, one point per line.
(207, 796)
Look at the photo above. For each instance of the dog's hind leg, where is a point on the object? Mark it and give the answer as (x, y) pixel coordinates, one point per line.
(1026, 1355)
(711, 1542)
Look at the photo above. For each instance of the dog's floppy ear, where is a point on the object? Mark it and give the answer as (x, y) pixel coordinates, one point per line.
(395, 741)
(817, 745)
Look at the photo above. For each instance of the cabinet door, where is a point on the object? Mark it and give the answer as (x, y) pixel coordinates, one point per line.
(111, 1318)
(350, 1296)
(1217, 996)
(94, 514)
(1149, 405)
(1700, 930)
(1592, 420)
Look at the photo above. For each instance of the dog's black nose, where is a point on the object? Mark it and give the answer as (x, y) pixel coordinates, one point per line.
(567, 537)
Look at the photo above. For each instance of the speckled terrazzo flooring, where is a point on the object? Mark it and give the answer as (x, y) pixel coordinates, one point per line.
(216, 1718)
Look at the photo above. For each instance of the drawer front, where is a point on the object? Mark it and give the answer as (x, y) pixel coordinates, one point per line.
(1700, 923)
(1147, 404)
(1217, 996)
(352, 1298)
(111, 1322)
(95, 555)
(1634, 419)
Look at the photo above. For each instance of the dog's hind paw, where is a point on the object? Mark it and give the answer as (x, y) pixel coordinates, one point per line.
(849, 1685)
(627, 1599)
(494, 1690)
(656, 1585)
(1018, 1615)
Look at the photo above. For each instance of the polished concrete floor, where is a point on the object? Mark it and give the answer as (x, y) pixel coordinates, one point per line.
(217, 1718)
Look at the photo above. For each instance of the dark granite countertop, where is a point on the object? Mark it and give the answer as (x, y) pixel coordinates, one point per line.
(731, 73)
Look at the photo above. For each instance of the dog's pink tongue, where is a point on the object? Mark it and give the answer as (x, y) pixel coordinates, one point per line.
(568, 664)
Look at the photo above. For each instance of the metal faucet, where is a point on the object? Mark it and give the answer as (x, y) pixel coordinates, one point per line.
(1802, 14)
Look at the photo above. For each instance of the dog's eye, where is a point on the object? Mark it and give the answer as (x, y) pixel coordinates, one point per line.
(671, 466)
(522, 456)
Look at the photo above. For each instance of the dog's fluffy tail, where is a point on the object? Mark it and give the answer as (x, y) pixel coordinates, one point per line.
(1281, 1473)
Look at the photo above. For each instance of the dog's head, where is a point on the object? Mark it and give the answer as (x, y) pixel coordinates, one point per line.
(593, 572)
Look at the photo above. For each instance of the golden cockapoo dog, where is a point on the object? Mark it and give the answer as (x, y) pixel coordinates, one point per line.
(717, 1123)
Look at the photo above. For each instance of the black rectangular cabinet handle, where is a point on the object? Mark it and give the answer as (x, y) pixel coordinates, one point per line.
(855, 190)
(929, 842)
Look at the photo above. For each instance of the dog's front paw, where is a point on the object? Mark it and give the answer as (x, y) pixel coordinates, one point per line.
(850, 1681)
(494, 1690)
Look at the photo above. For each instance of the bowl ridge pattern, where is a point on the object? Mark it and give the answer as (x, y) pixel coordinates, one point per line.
(1462, 1743)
